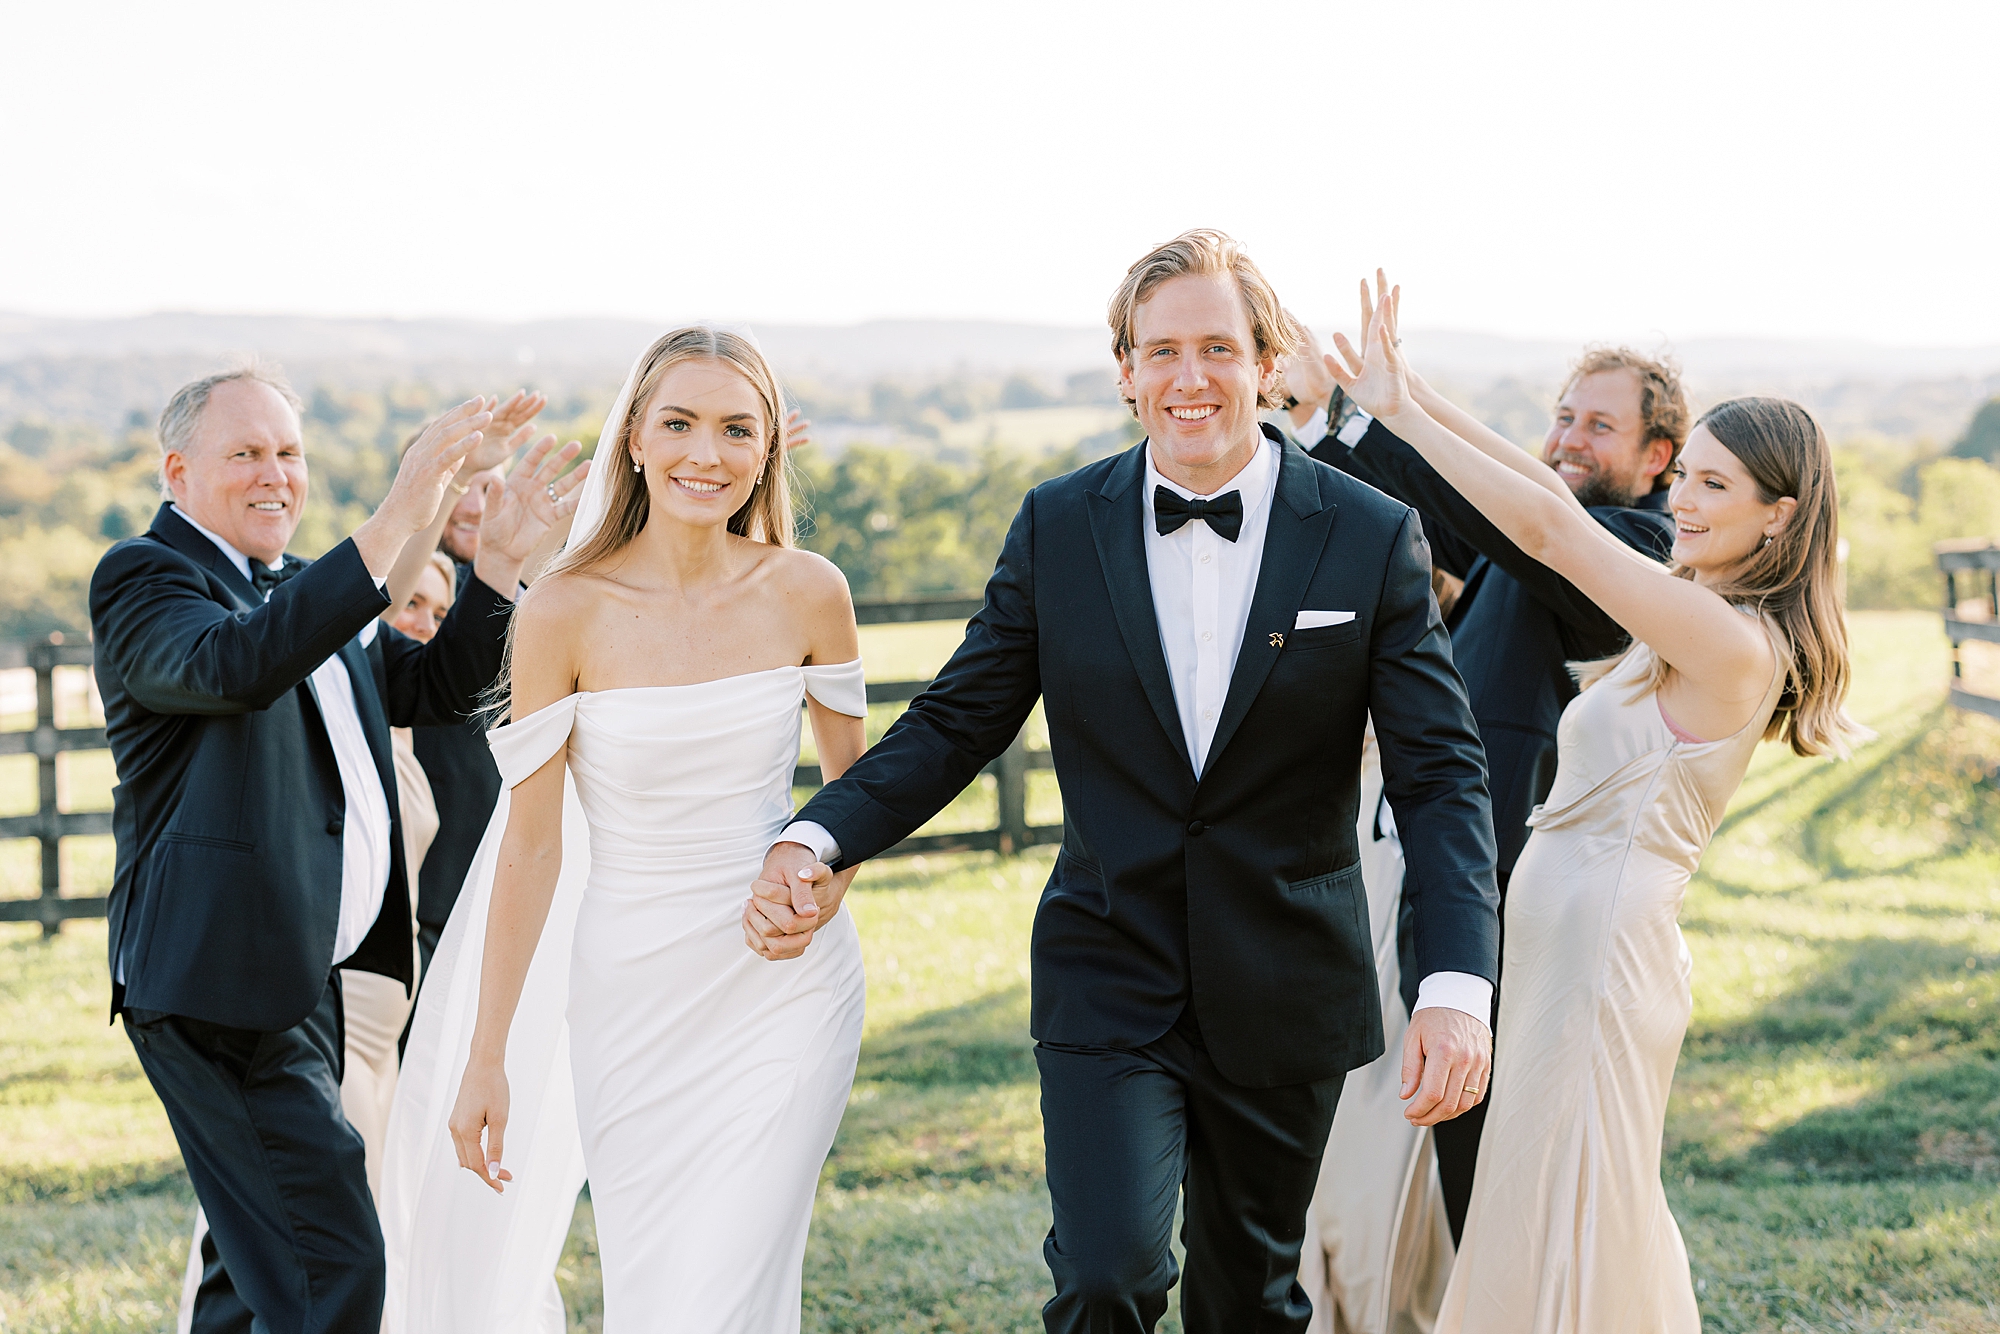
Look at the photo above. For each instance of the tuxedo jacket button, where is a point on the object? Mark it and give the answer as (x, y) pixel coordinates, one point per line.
(1197, 828)
(334, 826)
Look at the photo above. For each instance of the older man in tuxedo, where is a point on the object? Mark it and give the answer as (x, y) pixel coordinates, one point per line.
(248, 699)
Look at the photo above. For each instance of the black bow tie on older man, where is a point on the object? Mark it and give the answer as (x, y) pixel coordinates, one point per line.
(1224, 514)
(268, 577)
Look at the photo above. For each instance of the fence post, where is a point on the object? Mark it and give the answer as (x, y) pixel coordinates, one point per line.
(43, 659)
(1012, 776)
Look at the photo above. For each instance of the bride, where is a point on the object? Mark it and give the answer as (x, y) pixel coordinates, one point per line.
(656, 676)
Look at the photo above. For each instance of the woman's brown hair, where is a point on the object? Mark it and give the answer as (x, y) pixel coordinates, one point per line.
(1793, 579)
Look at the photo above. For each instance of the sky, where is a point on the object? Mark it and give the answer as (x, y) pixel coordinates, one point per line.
(1535, 169)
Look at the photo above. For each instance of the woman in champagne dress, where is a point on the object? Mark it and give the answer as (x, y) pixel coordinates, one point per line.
(1741, 640)
(594, 1007)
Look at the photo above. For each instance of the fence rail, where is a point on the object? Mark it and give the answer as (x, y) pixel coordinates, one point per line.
(1975, 561)
(50, 825)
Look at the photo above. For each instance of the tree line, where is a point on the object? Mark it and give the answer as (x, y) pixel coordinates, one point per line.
(899, 520)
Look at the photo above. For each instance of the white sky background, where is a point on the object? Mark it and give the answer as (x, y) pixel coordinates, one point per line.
(1568, 170)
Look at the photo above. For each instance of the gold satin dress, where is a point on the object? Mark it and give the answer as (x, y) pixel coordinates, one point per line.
(1568, 1231)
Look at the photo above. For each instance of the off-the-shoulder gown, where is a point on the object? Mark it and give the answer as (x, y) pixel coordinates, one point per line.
(697, 1085)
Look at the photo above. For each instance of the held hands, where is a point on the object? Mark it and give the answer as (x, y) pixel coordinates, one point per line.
(1446, 1059)
(481, 1106)
(795, 895)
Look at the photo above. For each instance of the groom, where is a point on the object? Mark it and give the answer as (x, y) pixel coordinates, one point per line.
(1210, 618)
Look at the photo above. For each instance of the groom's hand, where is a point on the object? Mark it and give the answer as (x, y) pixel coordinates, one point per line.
(784, 907)
(1446, 1059)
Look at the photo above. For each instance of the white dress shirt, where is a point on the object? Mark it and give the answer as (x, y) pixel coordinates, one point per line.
(1202, 587)
(364, 830)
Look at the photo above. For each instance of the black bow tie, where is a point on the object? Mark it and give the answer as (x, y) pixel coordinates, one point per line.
(1224, 514)
(268, 577)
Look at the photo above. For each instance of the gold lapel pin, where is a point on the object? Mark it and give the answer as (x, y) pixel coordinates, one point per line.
(1277, 641)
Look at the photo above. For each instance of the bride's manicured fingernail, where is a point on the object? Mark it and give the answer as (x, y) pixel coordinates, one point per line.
(493, 1169)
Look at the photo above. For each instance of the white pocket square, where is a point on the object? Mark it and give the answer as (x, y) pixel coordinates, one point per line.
(1313, 620)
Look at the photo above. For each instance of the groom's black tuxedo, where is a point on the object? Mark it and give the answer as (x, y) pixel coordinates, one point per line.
(1203, 971)
(1239, 893)
(225, 904)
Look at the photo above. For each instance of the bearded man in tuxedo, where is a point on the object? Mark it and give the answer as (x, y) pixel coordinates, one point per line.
(248, 697)
(1209, 619)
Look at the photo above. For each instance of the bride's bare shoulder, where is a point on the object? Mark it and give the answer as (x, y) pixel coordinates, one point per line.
(809, 579)
(564, 602)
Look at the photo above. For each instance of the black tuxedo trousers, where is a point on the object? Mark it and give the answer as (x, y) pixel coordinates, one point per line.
(1227, 905)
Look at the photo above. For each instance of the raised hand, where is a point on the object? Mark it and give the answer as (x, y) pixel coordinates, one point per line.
(523, 507)
(427, 468)
(1306, 377)
(798, 431)
(1375, 377)
(512, 423)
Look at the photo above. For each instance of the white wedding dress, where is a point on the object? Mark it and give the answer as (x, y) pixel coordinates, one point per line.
(697, 1085)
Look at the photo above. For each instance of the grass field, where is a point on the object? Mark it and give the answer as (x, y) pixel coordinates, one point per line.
(1833, 1146)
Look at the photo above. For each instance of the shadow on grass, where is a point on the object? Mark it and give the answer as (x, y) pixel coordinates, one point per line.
(983, 1041)
(74, 1182)
(1937, 1124)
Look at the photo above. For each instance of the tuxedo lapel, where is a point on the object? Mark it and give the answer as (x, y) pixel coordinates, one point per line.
(363, 680)
(185, 538)
(1117, 525)
(1293, 541)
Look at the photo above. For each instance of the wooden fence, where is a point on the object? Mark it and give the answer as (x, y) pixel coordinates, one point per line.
(50, 825)
(1971, 574)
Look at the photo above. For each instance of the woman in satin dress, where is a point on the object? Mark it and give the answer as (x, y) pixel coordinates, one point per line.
(1742, 639)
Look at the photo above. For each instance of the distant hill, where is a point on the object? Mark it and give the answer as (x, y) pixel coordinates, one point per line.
(104, 371)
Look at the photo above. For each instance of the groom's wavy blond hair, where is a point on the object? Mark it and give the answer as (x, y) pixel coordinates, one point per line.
(1206, 253)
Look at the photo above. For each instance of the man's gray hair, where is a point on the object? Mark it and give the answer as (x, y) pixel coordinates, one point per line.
(182, 414)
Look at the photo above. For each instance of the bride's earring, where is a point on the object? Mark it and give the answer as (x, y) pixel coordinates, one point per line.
(638, 467)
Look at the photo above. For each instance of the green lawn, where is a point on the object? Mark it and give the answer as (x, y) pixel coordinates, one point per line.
(1831, 1148)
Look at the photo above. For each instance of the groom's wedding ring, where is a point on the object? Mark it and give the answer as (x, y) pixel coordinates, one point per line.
(1473, 1091)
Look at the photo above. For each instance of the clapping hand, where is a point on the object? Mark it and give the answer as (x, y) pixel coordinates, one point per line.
(798, 431)
(1306, 377)
(427, 468)
(524, 506)
(509, 431)
(1375, 377)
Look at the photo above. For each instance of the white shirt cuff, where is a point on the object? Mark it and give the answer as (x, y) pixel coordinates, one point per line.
(1313, 431)
(810, 835)
(1464, 992)
(1357, 426)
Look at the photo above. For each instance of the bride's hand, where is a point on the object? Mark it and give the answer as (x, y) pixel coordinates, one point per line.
(1375, 377)
(481, 1106)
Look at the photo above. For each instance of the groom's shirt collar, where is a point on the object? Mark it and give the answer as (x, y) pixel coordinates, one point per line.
(1202, 587)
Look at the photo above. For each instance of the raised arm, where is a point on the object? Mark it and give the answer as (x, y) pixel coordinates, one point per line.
(1726, 657)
